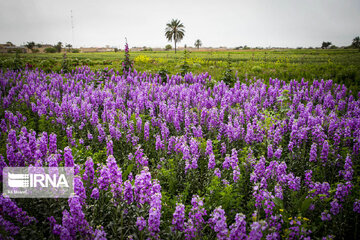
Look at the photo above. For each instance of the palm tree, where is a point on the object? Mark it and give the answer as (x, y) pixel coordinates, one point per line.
(175, 30)
(198, 43)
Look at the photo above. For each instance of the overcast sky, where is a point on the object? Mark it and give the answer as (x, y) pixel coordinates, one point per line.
(230, 23)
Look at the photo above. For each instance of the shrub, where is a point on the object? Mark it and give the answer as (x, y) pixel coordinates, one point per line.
(50, 50)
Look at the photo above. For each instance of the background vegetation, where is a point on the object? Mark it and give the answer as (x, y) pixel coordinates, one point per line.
(340, 65)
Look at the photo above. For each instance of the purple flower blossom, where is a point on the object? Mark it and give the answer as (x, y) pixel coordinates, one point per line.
(95, 193)
(325, 151)
(335, 207)
(278, 152)
(128, 192)
(209, 147)
(79, 189)
(141, 223)
(89, 171)
(69, 160)
(356, 206)
(211, 163)
(270, 152)
(154, 214)
(179, 217)
(217, 172)
(325, 216)
(313, 153)
(218, 223)
(238, 228)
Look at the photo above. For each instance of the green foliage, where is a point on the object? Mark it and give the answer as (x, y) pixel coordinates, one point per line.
(185, 67)
(310, 64)
(168, 47)
(228, 75)
(65, 64)
(356, 42)
(163, 72)
(325, 45)
(30, 45)
(58, 46)
(127, 63)
(50, 50)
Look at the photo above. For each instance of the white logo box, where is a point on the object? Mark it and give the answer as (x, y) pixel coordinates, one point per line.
(38, 182)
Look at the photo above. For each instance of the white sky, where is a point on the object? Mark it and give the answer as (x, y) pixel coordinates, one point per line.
(230, 23)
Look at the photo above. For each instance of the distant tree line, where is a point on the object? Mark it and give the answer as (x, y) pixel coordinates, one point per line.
(34, 47)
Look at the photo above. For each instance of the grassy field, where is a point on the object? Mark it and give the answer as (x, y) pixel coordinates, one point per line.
(340, 65)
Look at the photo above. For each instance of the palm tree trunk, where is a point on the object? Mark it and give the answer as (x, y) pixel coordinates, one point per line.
(175, 47)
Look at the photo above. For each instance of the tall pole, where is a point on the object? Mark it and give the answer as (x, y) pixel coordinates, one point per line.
(72, 29)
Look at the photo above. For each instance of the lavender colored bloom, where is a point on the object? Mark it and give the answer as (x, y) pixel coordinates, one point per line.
(356, 206)
(313, 153)
(90, 136)
(195, 222)
(226, 163)
(142, 186)
(256, 231)
(335, 207)
(211, 163)
(89, 171)
(270, 152)
(278, 191)
(238, 228)
(140, 158)
(209, 147)
(325, 151)
(100, 234)
(115, 176)
(236, 174)
(52, 143)
(159, 144)
(104, 179)
(218, 223)
(342, 191)
(179, 217)
(348, 171)
(146, 130)
(9, 227)
(234, 159)
(278, 152)
(217, 172)
(79, 189)
(109, 147)
(154, 214)
(101, 131)
(128, 192)
(69, 160)
(325, 216)
(10, 208)
(141, 223)
(95, 193)
(78, 218)
(2, 165)
(223, 148)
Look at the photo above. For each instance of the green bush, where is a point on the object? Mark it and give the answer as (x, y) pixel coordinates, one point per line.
(50, 50)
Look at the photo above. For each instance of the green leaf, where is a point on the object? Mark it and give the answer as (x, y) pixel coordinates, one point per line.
(128, 170)
(278, 202)
(305, 204)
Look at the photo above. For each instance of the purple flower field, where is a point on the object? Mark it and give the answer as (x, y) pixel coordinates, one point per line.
(183, 157)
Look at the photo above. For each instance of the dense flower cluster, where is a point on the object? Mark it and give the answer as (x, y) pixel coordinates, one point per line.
(295, 142)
